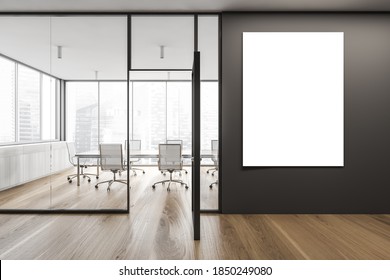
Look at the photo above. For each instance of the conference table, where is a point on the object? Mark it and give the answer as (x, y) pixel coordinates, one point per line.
(136, 154)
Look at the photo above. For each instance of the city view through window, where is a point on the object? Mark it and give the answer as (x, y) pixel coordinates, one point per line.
(159, 111)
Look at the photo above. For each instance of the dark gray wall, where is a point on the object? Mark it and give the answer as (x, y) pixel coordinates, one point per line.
(363, 184)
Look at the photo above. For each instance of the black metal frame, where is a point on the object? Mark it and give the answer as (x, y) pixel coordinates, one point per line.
(196, 145)
(129, 68)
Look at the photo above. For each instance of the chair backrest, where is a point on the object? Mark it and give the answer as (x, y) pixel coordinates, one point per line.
(170, 157)
(175, 142)
(71, 151)
(111, 157)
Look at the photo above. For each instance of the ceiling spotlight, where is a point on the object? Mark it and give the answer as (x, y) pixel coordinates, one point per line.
(161, 52)
(59, 52)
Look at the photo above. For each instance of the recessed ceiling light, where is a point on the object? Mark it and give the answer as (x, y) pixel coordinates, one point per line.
(162, 52)
(59, 52)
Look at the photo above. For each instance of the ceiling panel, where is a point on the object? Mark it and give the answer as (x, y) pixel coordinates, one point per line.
(92, 47)
(90, 44)
(175, 34)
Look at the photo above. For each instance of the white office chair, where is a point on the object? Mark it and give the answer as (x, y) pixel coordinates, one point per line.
(175, 142)
(111, 158)
(135, 146)
(214, 151)
(72, 159)
(170, 160)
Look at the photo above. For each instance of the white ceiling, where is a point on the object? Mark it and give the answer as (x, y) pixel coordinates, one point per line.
(99, 43)
(175, 34)
(194, 5)
(89, 44)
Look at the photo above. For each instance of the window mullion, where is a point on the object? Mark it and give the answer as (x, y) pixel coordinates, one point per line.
(40, 106)
(16, 104)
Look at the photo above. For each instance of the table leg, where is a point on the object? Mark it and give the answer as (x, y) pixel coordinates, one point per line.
(78, 171)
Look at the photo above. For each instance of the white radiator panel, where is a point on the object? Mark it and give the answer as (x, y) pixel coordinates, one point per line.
(20, 164)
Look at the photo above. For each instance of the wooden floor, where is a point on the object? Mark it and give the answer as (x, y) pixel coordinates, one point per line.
(54, 192)
(159, 227)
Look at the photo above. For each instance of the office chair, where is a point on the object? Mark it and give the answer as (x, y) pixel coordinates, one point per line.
(135, 146)
(72, 155)
(214, 183)
(175, 142)
(214, 151)
(170, 160)
(111, 158)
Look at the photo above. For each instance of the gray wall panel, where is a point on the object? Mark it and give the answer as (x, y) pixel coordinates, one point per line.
(363, 185)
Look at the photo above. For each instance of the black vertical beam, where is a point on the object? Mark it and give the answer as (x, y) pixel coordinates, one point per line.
(196, 145)
(220, 155)
(193, 108)
(128, 107)
(196, 47)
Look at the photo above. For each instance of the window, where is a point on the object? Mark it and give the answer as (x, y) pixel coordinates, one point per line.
(209, 113)
(179, 113)
(48, 111)
(28, 103)
(113, 112)
(82, 115)
(149, 113)
(96, 113)
(7, 100)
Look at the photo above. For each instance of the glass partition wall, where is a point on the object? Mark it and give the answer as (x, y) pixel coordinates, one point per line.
(28, 130)
(63, 93)
(208, 44)
(65, 89)
(162, 49)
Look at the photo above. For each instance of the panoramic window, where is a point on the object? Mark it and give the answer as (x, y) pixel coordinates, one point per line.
(27, 103)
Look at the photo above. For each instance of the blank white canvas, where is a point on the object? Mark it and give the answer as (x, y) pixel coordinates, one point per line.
(293, 99)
